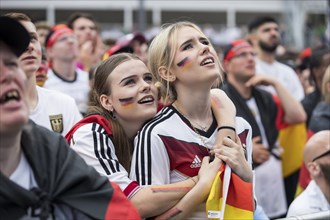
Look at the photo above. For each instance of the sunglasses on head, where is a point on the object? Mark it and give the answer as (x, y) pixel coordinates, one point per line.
(322, 155)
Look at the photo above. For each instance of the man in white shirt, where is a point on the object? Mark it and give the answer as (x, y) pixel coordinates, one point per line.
(265, 38)
(64, 76)
(53, 110)
(316, 197)
(259, 108)
(264, 34)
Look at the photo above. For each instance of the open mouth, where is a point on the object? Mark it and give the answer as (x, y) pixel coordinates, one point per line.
(147, 99)
(41, 77)
(12, 95)
(208, 60)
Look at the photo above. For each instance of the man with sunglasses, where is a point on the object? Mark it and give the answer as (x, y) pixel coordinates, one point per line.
(266, 114)
(316, 197)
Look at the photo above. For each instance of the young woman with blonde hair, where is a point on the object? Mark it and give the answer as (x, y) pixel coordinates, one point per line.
(170, 147)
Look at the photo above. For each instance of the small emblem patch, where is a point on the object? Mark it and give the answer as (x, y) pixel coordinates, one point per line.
(56, 122)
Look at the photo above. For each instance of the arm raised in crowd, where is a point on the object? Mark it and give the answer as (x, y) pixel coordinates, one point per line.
(293, 110)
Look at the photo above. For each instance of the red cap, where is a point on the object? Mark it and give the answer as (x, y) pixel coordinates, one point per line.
(56, 32)
(233, 47)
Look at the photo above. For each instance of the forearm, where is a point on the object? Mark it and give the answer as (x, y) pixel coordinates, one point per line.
(223, 108)
(225, 112)
(293, 110)
(154, 200)
(187, 204)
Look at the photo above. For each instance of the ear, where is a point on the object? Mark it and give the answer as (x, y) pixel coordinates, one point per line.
(106, 102)
(166, 74)
(253, 38)
(313, 169)
(327, 86)
(226, 66)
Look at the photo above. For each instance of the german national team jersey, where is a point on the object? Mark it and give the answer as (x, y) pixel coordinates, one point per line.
(168, 149)
(91, 138)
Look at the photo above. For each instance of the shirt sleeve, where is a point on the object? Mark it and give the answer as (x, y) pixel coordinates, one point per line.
(150, 162)
(94, 145)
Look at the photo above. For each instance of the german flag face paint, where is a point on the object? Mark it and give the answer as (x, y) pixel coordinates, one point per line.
(126, 102)
(185, 63)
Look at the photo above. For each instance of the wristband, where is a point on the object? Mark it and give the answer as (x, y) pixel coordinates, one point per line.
(226, 127)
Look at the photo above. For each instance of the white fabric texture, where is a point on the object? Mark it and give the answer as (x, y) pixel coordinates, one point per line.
(311, 200)
(283, 74)
(23, 174)
(168, 150)
(52, 104)
(78, 89)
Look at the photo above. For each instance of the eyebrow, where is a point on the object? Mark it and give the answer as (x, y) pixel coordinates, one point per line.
(128, 77)
(33, 34)
(186, 42)
(134, 76)
(190, 40)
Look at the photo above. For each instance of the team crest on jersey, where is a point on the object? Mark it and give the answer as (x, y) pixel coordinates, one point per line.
(196, 163)
(56, 122)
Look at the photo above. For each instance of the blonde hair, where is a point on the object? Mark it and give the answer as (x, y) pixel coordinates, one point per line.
(161, 54)
(325, 81)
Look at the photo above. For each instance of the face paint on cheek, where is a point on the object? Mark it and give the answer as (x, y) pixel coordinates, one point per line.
(185, 63)
(126, 102)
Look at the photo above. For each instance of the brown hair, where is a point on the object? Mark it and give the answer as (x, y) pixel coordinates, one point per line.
(101, 86)
(73, 17)
(42, 25)
(18, 16)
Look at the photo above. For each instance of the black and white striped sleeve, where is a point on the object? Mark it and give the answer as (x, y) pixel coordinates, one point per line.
(94, 145)
(150, 162)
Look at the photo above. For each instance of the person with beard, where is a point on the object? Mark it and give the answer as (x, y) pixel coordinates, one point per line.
(259, 108)
(264, 34)
(316, 197)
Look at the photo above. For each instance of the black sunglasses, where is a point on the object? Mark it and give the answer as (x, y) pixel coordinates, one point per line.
(322, 155)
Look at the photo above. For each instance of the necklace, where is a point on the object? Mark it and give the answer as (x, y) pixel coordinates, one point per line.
(192, 123)
(196, 131)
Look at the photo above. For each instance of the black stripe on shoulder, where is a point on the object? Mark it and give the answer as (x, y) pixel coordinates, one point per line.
(144, 144)
(95, 130)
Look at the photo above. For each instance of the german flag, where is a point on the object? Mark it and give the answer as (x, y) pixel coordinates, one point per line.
(230, 197)
(304, 176)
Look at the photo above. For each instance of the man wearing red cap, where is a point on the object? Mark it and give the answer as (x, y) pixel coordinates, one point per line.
(63, 75)
(259, 108)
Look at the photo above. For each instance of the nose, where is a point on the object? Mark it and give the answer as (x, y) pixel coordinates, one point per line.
(6, 75)
(30, 47)
(145, 87)
(204, 48)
